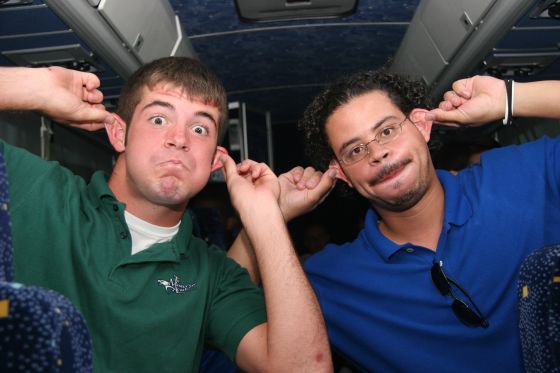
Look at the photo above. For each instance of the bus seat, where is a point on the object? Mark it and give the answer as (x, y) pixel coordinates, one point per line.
(539, 310)
(40, 330)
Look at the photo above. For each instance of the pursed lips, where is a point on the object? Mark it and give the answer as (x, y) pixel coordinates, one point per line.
(173, 164)
(389, 171)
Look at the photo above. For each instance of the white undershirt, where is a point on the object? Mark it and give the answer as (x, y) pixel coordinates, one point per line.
(144, 234)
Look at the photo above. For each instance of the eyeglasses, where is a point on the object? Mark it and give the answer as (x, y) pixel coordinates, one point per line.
(466, 314)
(384, 136)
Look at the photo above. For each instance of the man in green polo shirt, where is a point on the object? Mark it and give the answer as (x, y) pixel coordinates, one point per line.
(121, 247)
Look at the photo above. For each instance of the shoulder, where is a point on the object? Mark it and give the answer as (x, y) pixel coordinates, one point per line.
(333, 255)
(216, 262)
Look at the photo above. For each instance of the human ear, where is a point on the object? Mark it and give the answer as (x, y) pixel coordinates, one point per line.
(217, 162)
(418, 118)
(335, 165)
(116, 132)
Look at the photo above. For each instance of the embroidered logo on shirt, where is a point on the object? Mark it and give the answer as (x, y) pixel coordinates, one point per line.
(173, 285)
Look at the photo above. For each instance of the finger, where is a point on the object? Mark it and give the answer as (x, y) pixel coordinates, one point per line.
(245, 166)
(257, 170)
(93, 97)
(98, 106)
(445, 105)
(462, 87)
(296, 174)
(447, 96)
(451, 99)
(310, 178)
(314, 180)
(90, 81)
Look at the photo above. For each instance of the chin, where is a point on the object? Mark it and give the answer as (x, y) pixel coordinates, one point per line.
(401, 202)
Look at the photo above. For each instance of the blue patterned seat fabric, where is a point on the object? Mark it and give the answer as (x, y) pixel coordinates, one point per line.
(40, 330)
(539, 310)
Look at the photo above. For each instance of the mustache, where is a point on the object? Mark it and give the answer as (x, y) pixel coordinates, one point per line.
(389, 169)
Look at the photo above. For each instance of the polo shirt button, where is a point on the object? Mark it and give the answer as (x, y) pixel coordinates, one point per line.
(5, 206)
(409, 250)
(124, 235)
(115, 207)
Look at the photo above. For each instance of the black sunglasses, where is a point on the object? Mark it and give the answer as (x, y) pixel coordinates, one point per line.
(466, 314)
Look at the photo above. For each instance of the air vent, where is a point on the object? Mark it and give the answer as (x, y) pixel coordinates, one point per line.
(71, 56)
(546, 9)
(15, 2)
(513, 65)
(281, 10)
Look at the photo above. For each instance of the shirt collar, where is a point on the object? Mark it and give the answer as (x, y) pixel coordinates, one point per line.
(98, 188)
(99, 191)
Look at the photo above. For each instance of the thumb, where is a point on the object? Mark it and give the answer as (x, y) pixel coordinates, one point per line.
(328, 180)
(230, 168)
(325, 186)
(93, 115)
(445, 117)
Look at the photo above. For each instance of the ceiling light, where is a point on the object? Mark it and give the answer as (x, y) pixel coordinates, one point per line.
(281, 10)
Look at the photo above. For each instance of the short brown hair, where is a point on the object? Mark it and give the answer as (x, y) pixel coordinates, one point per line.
(194, 78)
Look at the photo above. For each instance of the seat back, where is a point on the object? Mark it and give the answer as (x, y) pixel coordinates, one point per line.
(40, 330)
(539, 310)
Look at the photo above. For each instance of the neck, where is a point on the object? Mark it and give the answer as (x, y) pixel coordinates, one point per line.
(421, 224)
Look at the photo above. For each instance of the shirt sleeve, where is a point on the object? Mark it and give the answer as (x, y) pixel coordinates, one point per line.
(30, 177)
(237, 306)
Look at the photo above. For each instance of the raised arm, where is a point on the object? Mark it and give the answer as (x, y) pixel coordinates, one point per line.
(294, 338)
(66, 96)
(482, 99)
(301, 190)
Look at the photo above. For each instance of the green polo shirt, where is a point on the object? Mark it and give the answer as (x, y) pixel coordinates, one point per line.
(149, 312)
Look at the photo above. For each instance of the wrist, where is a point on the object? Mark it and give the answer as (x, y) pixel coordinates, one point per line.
(510, 94)
(286, 214)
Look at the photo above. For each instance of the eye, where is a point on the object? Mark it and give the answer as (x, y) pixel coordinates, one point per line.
(387, 131)
(200, 129)
(158, 120)
(356, 151)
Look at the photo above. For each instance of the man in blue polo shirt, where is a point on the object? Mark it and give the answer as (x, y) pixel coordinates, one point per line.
(121, 247)
(429, 284)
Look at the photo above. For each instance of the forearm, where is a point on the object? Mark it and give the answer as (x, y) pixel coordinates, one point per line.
(296, 335)
(243, 253)
(537, 99)
(16, 89)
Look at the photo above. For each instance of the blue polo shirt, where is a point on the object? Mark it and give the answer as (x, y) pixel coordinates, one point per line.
(384, 313)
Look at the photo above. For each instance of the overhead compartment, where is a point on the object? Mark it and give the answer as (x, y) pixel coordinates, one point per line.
(447, 38)
(125, 33)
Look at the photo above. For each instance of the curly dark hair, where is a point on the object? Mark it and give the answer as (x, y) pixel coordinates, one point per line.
(405, 92)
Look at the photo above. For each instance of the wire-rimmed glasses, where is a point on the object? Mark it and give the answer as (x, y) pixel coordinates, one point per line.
(385, 135)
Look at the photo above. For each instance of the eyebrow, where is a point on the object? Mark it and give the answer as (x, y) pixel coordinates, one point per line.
(164, 104)
(170, 106)
(207, 115)
(372, 129)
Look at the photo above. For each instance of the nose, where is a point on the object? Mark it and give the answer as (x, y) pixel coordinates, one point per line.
(376, 152)
(177, 137)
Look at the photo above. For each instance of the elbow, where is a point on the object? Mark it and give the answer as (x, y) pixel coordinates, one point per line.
(319, 362)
